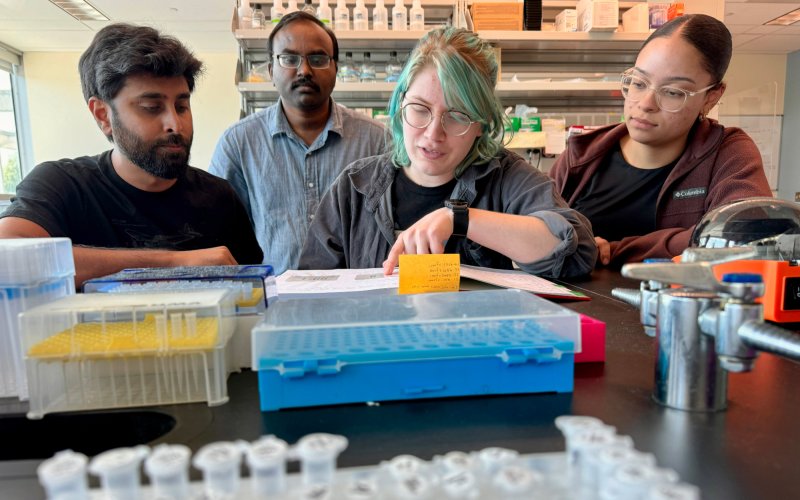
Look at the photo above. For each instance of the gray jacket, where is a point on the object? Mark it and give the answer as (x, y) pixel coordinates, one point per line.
(353, 227)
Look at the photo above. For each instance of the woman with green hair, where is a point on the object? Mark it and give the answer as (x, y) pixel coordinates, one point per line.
(447, 184)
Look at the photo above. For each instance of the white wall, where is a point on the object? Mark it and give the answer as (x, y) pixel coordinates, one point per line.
(62, 127)
(751, 71)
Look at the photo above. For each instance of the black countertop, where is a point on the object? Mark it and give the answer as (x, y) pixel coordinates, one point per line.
(746, 452)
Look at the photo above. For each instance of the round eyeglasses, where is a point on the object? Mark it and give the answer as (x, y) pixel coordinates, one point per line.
(293, 61)
(671, 99)
(420, 116)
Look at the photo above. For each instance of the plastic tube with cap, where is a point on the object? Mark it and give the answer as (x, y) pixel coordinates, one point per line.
(266, 458)
(168, 470)
(220, 463)
(64, 476)
(118, 470)
(318, 453)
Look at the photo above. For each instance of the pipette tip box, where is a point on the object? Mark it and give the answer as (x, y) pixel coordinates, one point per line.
(34, 271)
(398, 347)
(99, 351)
(255, 283)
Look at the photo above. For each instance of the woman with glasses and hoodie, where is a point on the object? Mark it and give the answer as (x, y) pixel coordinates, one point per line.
(645, 183)
(448, 185)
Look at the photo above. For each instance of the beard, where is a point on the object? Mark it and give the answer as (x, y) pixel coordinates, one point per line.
(148, 155)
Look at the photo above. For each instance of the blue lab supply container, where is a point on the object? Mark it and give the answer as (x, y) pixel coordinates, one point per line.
(35, 271)
(396, 347)
(256, 281)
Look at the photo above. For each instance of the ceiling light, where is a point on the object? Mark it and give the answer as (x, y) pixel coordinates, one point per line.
(786, 19)
(80, 10)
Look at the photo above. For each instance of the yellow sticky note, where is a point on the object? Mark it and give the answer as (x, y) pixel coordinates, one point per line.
(429, 273)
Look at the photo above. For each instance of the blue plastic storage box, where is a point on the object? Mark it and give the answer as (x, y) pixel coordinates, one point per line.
(256, 282)
(394, 347)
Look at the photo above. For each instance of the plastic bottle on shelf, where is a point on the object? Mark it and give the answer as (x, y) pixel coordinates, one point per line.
(308, 8)
(399, 16)
(367, 73)
(380, 17)
(291, 6)
(324, 12)
(347, 70)
(416, 16)
(258, 20)
(245, 14)
(360, 16)
(393, 67)
(341, 16)
(276, 12)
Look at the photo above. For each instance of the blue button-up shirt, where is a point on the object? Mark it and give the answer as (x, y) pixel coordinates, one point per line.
(281, 180)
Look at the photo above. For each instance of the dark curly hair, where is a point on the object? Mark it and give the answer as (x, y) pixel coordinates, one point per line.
(120, 50)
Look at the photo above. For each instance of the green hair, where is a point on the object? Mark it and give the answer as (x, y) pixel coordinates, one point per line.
(467, 69)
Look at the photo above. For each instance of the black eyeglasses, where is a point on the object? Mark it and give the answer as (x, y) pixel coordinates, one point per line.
(453, 122)
(293, 61)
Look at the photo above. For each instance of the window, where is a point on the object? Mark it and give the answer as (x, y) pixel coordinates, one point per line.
(10, 165)
(12, 144)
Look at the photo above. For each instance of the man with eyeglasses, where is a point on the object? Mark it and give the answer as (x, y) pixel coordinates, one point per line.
(282, 159)
(644, 184)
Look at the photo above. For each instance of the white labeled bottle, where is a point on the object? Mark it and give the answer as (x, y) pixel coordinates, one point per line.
(259, 19)
(399, 16)
(341, 16)
(360, 16)
(276, 12)
(393, 67)
(324, 12)
(367, 73)
(416, 16)
(245, 15)
(380, 17)
(291, 6)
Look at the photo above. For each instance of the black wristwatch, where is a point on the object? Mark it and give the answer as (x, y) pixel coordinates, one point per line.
(460, 216)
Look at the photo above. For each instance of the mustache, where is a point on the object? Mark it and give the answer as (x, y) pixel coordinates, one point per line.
(171, 140)
(305, 81)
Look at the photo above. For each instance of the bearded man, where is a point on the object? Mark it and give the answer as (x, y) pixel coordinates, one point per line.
(139, 204)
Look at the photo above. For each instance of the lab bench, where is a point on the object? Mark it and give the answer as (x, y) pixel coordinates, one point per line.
(750, 451)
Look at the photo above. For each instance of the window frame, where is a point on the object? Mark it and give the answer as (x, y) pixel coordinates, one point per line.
(11, 61)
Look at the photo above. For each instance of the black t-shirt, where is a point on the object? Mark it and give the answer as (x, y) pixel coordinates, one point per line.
(620, 199)
(85, 200)
(411, 202)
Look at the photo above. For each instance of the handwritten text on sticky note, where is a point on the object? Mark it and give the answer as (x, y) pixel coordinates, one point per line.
(429, 273)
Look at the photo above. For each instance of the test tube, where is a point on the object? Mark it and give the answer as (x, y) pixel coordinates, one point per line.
(168, 470)
(674, 491)
(493, 458)
(606, 460)
(118, 470)
(515, 480)
(634, 481)
(220, 464)
(64, 476)
(266, 458)
(317, 453)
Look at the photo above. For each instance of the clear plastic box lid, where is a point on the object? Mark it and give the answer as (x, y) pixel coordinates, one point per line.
(103, 324)
(30, 260)
(407, 327)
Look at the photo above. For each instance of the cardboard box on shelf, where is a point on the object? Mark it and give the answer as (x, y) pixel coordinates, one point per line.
(636, 19)
(497, 16)
(567, 20)
(598, 15)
